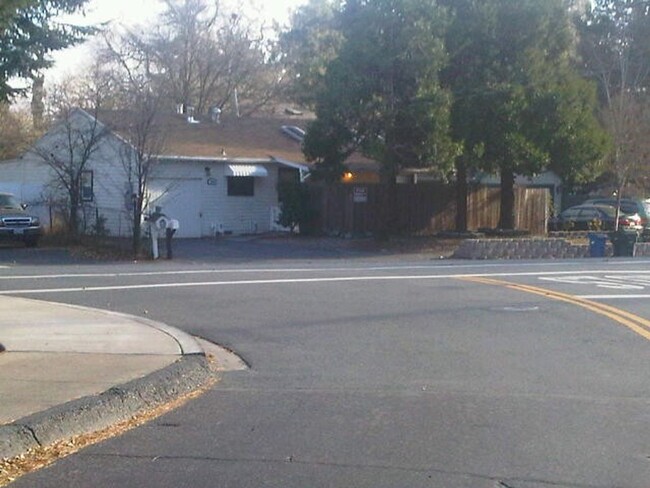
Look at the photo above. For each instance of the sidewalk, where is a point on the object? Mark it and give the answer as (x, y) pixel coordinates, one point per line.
(68, 370)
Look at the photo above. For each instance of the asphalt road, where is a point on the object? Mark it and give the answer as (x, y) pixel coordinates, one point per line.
(371, 371)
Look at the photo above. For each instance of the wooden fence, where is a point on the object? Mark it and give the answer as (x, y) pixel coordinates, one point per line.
(420, 209)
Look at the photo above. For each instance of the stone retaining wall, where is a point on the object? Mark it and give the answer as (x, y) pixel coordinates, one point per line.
(534, 248)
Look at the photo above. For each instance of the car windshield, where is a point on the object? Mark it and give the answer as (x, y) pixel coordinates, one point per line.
(8, 202)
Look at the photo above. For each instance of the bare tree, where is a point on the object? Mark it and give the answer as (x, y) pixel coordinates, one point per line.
(137, 116)
(70, 145)
(146, 135)
(203, 56)
(16, 131)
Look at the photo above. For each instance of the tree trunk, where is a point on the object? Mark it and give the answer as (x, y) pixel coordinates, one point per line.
(136, 238)
(461, 196)
(137, 225)
(38, 106)
(507, 208)
(73, 223)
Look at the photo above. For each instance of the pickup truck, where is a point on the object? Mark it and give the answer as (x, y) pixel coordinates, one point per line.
(16, 224)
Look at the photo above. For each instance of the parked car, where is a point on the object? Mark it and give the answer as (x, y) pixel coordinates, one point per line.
(594, 217)
(16, 224)
(629, 206)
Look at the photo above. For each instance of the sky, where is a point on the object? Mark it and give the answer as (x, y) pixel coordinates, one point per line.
(136, 12)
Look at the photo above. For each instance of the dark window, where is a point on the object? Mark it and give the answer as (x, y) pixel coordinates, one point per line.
(87, 192)
(290, 175)
(241, 186)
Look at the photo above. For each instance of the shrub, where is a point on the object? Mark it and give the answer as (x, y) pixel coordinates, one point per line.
(295, 205)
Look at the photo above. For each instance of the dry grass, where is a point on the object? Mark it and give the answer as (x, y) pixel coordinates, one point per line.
(11, 469)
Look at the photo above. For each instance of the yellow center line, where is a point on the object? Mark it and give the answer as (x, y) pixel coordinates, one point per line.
(633, 322)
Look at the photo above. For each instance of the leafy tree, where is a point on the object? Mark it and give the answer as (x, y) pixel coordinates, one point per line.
(311, 43)
(29, 32)
(615, 48)
(519, 105)
(381, 94)
(295, 205)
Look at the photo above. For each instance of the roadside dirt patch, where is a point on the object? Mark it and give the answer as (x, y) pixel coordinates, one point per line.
(435, 246)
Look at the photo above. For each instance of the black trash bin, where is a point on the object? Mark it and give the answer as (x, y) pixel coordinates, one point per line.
(623, 242)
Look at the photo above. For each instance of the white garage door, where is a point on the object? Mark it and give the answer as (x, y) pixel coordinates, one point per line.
(180, 199)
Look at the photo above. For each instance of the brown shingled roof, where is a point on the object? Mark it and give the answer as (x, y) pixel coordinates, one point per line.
(237, 137)
(249, 137)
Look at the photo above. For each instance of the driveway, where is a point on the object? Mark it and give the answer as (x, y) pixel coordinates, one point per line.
(247, 249)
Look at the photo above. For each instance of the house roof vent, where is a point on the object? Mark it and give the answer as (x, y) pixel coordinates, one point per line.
(293, 132)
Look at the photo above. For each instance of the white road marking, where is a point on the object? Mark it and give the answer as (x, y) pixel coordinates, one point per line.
(318, 270)
(226, 283)
(284, 281)
(517, 309)
(634, 281)
(610, 297)
(251, 270)
(598, 281)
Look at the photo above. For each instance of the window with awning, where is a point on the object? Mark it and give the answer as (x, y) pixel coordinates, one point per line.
(246, 170)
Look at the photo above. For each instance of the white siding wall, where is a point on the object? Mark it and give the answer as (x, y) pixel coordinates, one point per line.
(239, 215)
(218, 211)
(177, 188)
(31, 180)
(110, 188)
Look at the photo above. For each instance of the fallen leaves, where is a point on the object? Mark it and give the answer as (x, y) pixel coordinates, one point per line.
(34, 459)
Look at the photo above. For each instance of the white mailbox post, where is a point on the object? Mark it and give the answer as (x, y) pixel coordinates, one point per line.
(161, 226)
(157, 227)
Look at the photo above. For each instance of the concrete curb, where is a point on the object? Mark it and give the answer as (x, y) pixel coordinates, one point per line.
(96, 412)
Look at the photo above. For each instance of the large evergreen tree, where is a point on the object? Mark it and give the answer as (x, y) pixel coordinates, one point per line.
(519, 107)
(381, 94)
(29, 32)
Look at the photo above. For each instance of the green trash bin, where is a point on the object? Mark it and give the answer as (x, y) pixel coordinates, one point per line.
(623, 242)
